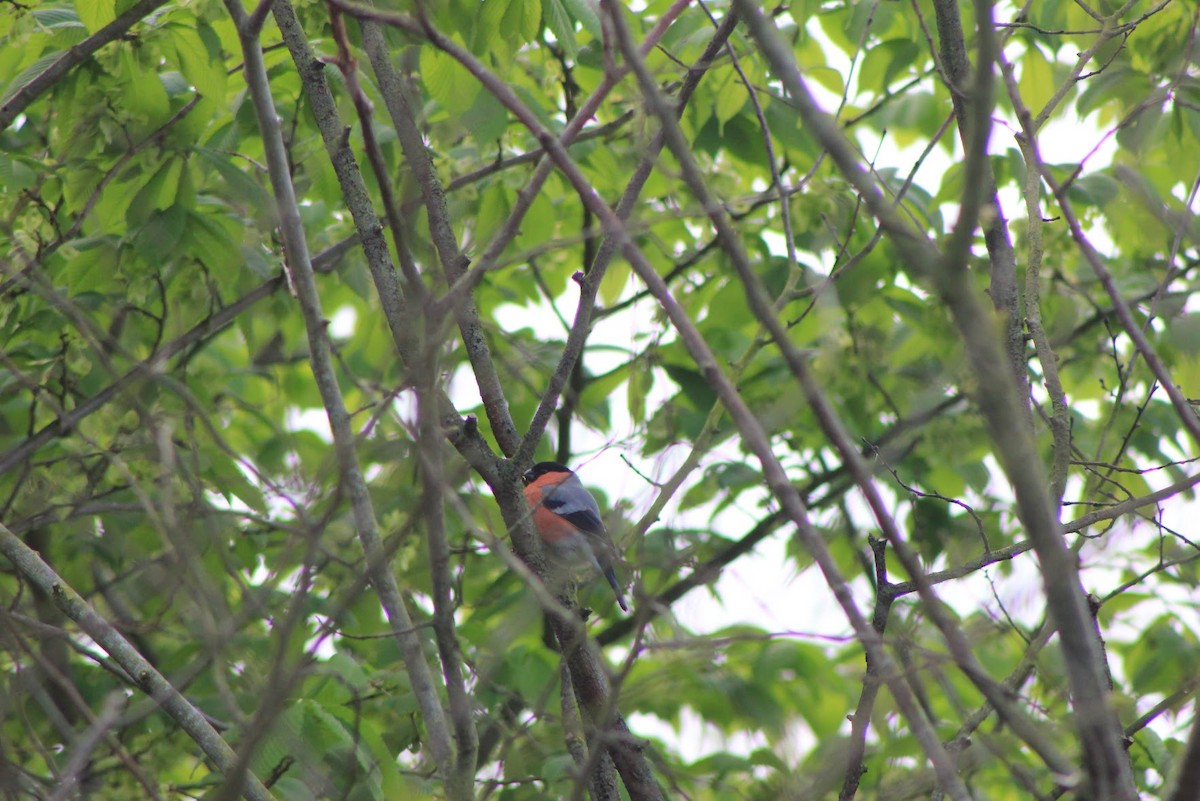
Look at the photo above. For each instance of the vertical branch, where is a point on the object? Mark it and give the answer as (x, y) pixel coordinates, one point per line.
(1188, 777)
(975, 126)
(354, 190)
(971, 110)
(1060, 420)
(885, 595)
(597, 704)
(349, 67)
(320, 357)
(454, 263)
(368, 226)
(423, 360)
(595, 774)
(460, 785)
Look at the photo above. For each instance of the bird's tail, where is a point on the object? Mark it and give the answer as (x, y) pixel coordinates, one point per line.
(611, 575)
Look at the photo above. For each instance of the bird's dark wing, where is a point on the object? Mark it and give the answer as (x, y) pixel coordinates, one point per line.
(573, 507)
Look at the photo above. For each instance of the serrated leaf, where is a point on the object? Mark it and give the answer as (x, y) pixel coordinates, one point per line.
(523, 19)
(491, 21)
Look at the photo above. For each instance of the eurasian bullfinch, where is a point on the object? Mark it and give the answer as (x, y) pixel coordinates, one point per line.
(567, 519)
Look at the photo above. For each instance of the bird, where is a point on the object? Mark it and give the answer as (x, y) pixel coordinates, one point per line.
(567, 519)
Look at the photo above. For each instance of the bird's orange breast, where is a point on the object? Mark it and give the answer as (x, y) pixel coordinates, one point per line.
(551, 527)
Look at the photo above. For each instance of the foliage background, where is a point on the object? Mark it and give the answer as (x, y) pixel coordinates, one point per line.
(951, 350)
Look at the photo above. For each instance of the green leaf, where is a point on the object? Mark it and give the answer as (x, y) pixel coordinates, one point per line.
(636, 389)
(232, 482)
(804, 10)
(886, 61)
(199, 58)
(16, 175)
(561, 25)
(1184, 332)
(145, 97)
(156, 194)
(161, 232)
(55, 16)
(731, 97)
(583, 12)
(524, 17)
(28, 74)
(1037, 81)
(95, 14)
(240, 186)
(1160, 658)
(447, 81)
(693, 384)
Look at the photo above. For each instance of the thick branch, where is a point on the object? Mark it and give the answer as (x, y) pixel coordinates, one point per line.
(434, 487)
(354, 190)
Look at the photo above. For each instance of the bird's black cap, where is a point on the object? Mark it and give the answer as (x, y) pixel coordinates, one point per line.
(542, 468)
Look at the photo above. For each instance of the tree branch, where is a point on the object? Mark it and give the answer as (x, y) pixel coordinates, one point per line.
(354, 190)
(77, 54)
(141, 673)
(454, 263)
(1060, 422)
(1187, 415)
(972, 113)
